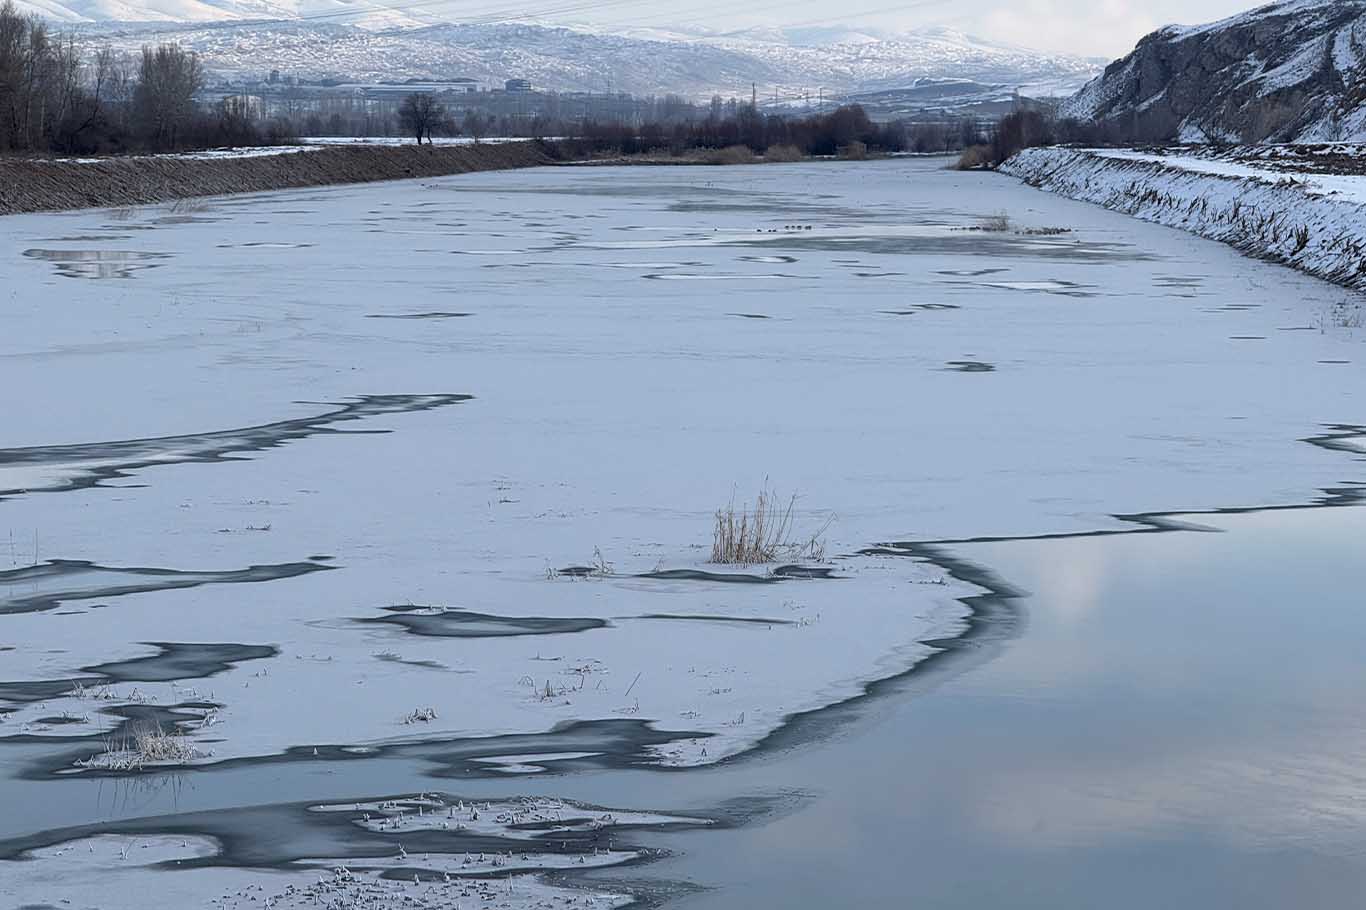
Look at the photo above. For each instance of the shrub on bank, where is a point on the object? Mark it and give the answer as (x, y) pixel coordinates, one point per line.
(783, 153)
(974, 157)
(731, 154)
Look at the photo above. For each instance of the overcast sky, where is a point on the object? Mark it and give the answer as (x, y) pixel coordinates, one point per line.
(1106, 28)
(1102, 28)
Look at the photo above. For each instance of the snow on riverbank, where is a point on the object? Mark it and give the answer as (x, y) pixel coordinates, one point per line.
(1313, 222)
(474, 855)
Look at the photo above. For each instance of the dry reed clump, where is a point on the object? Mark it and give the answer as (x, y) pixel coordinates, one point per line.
(190, 206)
(731, 154)
(420, 716)
(783, 153)
(147, 744)
(974, 157)
(995, 224)
(747, 537)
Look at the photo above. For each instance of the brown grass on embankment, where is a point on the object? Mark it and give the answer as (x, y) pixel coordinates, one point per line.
(32, 185)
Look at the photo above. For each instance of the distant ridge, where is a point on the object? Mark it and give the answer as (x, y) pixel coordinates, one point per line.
(792, 62)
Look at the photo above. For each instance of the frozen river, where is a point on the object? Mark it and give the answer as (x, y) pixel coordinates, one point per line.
(295, 475)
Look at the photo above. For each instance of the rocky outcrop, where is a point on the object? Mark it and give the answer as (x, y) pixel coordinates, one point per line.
(1288, 72)
(34, 185)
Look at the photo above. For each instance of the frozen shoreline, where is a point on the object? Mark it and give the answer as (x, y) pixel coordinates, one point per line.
(1312, 222)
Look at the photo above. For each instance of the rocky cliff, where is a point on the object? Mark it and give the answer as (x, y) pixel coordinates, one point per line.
(1293, 71)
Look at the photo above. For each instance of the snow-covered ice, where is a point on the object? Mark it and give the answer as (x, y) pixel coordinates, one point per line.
(239, 506)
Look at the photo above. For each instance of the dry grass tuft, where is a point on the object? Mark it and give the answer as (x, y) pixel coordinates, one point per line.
(747, 537)
(147, 744)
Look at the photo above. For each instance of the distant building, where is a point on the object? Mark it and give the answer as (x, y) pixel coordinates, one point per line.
(517, 86)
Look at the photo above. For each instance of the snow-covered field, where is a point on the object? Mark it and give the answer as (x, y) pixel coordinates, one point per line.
(260, 151)
(300, 475)
(405, 140)
(1313, 221)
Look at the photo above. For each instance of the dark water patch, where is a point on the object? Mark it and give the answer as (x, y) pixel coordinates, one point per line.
(970, 366)
(467, 624)
(682, 276)
(742, 578)
(133, 716)
(265, 245)
(98, 263)
(1349, 438)
(708, 617)
(174, 661)
(420, 664)
(64, 720)
(47, 586)
(878, 274)
(1247, 338)
(181, 660)
(597, 744)
(581, 571)
(749, 315)
(1055, 286)
(971, 273)
(950, 244)
(432, 315)
(897, 312)
(936, 306)
(87, 464)
(805, 572)
(771, 259)
(1298, 328)
(1334, 361)
(87, 238)
(28, 691)
(337, 831)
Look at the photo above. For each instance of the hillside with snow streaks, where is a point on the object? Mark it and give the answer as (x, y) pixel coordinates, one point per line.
(794, 63)
(1293, 71)
(1311, 221)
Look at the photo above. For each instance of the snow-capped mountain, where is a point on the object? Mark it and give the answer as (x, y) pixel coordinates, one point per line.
(1289, 71)
(790, 63)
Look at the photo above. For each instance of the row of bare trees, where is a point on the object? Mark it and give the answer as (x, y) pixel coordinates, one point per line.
(53, 99)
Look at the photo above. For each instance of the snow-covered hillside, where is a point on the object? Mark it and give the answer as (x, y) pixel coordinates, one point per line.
(792, 62)
(1297, 209)
(1288, 71)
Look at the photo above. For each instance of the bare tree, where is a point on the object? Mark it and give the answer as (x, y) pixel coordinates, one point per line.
(420, 114)
(163, 102)
(474, 125)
